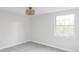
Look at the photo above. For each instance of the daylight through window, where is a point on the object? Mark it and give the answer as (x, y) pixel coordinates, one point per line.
(64, 25)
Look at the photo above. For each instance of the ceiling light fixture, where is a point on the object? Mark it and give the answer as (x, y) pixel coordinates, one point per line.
(30, 11)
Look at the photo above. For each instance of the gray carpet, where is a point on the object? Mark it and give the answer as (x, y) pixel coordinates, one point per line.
(31, 47)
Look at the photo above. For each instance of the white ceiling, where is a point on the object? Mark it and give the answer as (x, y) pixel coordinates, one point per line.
(39, 10)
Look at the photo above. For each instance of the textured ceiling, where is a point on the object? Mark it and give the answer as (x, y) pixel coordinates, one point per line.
(39, 10)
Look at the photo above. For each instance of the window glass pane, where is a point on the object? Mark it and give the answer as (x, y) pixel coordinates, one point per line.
(64, 30)
(65, 20)
(65, 25)
(69, 19)
(59, 20)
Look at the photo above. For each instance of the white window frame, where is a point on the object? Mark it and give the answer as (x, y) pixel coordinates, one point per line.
(64, 26)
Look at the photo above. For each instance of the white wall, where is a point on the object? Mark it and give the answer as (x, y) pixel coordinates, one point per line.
(43, 31)
(14, 29)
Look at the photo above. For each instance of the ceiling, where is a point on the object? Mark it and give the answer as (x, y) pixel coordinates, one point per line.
(39, 10)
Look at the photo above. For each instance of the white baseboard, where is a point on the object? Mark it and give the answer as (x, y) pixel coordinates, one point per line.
(13, 45)
(39, 42)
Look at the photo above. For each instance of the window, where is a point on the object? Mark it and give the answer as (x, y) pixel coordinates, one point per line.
(64, 25)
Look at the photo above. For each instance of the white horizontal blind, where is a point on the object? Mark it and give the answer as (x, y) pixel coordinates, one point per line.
(64, 25)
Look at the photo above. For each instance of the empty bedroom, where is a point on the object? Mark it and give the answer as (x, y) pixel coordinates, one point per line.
(39, 29)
